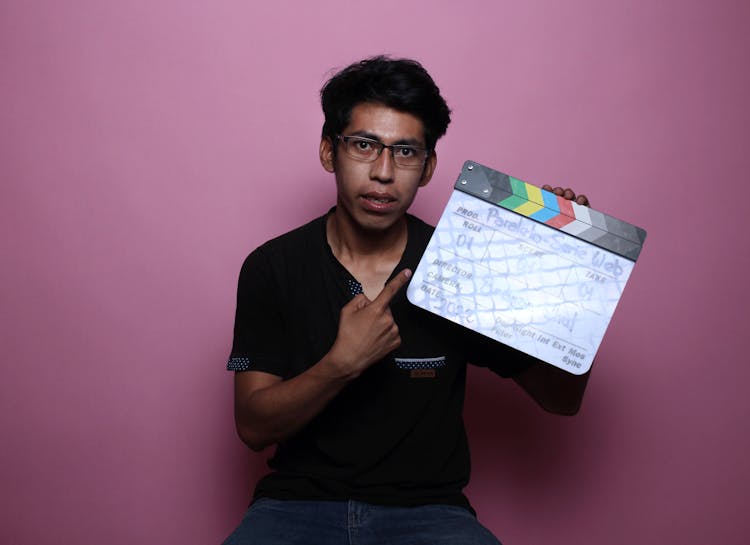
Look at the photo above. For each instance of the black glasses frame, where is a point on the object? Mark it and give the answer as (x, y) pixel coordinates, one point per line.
(379, 147)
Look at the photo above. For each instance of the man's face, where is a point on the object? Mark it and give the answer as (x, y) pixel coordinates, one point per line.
(375, 196)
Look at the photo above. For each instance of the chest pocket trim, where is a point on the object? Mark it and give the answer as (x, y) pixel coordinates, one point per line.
(420, 363)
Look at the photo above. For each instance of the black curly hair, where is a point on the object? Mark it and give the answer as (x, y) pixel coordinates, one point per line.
(401, 84)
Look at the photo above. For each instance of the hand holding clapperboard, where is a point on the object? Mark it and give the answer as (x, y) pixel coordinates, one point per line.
(526, 268)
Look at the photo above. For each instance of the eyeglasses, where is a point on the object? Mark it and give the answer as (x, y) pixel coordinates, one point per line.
(368, 150)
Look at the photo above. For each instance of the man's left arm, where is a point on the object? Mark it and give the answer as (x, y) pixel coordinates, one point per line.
(555, 390)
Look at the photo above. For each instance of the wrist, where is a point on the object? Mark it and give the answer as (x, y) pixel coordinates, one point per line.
(337, 369)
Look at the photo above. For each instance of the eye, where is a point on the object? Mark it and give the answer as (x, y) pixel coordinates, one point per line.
(405, 151)
(363, 145)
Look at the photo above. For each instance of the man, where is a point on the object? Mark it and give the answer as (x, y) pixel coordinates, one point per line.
(362, 392)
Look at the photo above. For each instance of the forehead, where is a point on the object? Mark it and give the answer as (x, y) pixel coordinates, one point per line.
(384, 123)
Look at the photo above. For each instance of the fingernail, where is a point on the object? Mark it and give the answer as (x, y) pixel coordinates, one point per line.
(407, 272)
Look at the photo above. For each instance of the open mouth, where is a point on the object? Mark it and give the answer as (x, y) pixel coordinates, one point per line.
(378, 202)
(379, 197)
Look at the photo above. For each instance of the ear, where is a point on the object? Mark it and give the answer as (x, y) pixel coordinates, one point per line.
(326, 154)
(429, 168)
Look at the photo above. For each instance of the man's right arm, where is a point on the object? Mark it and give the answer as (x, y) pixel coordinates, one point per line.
(268, 409)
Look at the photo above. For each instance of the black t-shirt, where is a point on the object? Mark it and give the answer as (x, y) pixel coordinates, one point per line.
(393, 436)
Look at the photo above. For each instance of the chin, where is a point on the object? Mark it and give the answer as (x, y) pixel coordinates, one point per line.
(379, 224)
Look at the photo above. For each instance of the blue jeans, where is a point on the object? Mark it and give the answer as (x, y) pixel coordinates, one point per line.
(277, 522)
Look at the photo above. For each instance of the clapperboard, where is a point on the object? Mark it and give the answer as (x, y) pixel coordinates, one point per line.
(526, 268)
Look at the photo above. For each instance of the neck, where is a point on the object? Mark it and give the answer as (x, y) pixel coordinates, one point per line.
(351, 243)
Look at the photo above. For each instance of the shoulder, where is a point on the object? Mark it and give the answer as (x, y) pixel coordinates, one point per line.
(285, 254)
(297, 242)
(419, 236)
(419, 231)
(311, 233)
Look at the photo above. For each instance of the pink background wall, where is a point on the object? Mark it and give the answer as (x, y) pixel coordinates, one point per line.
(147, 146)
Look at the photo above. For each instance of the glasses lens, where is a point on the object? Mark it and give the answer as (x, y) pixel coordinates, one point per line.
(362, 148)
(408, 156)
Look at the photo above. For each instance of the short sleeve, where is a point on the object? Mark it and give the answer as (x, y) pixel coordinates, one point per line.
(258, 343)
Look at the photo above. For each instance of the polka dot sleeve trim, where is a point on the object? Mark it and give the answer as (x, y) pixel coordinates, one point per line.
(238, 364)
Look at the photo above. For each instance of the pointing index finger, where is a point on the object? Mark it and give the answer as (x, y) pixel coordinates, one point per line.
(391, 288)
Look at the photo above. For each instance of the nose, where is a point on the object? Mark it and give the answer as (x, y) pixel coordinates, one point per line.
(382, 168)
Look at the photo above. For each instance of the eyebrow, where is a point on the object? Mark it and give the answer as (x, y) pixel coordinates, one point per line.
(403, 142)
